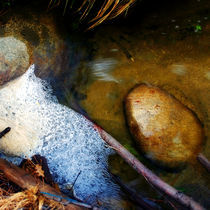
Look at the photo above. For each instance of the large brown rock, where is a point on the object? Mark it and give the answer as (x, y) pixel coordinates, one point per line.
(166, 130)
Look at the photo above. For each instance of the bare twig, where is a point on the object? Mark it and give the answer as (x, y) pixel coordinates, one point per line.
(26, 181)
(134, 197)
(74, 181)
(4, 132)
(154, 180)
(125, 51)
(70, 200)
(204, 161)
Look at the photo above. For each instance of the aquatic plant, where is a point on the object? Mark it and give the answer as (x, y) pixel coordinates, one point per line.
(197, 28)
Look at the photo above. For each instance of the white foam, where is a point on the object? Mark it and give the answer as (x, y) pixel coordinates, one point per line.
(39, 124)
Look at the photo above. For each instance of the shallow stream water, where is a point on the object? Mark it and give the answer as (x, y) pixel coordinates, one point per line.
(167, 46)
(166, 49)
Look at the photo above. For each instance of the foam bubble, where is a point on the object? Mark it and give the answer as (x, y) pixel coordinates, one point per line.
(40, 125)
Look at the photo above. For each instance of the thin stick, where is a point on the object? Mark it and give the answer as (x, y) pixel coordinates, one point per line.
(204, 161)
(134, 197)
(26, 181)
(154, 180)
(4, 132)
(74, 181)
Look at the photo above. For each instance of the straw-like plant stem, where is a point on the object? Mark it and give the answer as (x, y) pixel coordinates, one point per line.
(109, 9)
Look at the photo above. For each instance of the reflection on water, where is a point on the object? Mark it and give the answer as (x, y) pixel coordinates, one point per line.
(101, 69)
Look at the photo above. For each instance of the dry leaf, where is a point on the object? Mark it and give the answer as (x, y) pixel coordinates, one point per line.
(38, 170)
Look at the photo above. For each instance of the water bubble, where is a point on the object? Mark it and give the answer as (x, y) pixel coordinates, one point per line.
(65, 138)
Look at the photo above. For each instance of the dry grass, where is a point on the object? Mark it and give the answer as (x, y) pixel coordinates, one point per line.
(108, 9)
(29, 199)
(13, 197)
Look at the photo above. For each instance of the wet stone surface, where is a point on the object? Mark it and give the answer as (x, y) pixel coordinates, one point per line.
(47, 44)
(166, 130)
(14, 58)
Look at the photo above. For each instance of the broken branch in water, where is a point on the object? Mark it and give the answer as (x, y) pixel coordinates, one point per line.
(152, 179)
(204, 161)
(134, 197)
(27, 181)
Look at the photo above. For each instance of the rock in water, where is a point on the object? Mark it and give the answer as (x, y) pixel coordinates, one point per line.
(14, 58)
(166, 131)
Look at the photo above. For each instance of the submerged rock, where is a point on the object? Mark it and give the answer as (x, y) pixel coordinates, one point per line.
(14, 58)
(50, 47)
(166, 131)
(45, 46)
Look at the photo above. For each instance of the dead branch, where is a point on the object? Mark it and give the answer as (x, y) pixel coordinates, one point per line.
(152, 179)
(27, 181)
(204, 161)
(136, 198)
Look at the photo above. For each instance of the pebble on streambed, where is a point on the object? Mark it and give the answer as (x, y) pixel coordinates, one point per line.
(167, 132)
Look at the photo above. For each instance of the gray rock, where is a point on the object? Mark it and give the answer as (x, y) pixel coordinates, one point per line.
(14, 58)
